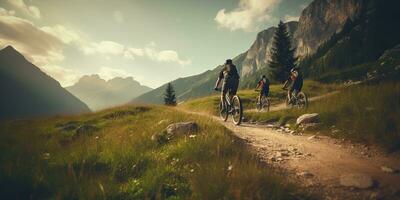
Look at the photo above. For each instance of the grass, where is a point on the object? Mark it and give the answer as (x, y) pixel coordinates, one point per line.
(115, 158)
(368, 114)
(249, 97)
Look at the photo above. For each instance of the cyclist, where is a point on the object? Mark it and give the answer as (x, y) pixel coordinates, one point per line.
(230, 78)
(263, 84)
(295, 84)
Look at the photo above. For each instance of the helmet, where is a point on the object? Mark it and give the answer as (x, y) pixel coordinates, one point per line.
(293, 70)
(263, 76)
(229, 61)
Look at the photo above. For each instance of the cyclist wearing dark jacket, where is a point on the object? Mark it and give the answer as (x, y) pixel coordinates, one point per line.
(295, 83)
(230, 78)
(263, 84)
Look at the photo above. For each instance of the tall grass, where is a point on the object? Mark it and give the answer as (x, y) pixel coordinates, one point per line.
(362, 113)
(41, 159)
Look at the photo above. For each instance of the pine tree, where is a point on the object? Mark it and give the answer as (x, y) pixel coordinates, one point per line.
(169, 96)
(282, 54)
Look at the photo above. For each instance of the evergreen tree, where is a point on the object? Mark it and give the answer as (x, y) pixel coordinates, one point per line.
(282, 54)
(169, 96)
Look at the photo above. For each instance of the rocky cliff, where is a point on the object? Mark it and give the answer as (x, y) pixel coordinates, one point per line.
(321, 19)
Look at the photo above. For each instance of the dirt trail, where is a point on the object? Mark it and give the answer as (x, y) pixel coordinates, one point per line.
(318, 162)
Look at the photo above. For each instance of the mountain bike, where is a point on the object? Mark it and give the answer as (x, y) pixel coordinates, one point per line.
(264, 103)
(298, 101)
(233, 106)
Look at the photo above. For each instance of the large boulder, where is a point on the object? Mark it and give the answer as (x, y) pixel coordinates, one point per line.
(361, 181)
(182, 128)
(308, 118)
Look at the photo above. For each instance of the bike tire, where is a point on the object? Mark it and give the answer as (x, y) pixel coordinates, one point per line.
(303, 97)
(223, 114)
(238, 115)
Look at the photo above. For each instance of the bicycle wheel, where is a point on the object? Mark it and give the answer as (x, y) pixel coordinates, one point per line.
(267, 104)
(237, 112)
(264, 104)
(302, 100)
(223, 112)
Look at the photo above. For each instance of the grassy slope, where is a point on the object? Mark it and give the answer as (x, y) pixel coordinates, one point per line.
(361, 113)
(120, 161)
(249, 97)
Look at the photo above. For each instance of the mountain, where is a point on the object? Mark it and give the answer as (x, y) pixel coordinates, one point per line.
(322, 18)
(330, 35)
(99, 93)
(28, 92)
(362, 39)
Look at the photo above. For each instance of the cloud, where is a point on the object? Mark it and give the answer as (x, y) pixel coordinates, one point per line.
(289, 18)
(249, 16)
(31, 10)
(4, 12)
(108, 73)
(65, 76)
(108, 48)
(118, 16)
(66, 35)
(37, 45)
(170, 56)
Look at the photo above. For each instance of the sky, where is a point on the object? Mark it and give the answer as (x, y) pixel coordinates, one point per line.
(154, 41)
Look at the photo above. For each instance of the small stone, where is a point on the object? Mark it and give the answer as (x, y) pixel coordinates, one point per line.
(308, 118)
(387, 169)
(305, 174)
(312, 137)
(357, 180)
(182, 128)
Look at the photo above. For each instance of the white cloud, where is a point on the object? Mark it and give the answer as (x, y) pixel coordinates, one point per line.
(249, 16)
(31, 10)
(4, 12)
(64, 76)
(66, 35)
(108, 73)
(38, 46)
(115, 49)
(118, 16)
(103, 47)
(289, 18)
(165, 56)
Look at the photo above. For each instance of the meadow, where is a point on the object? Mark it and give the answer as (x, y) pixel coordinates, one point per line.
(111, 155)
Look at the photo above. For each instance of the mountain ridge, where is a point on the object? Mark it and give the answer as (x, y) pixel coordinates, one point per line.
(99, 93)
(29, 92)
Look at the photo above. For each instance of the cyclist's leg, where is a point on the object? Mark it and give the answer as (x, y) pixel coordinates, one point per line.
(224, 90)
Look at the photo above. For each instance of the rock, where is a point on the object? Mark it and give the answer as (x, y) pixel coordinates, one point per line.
(305, 174)
(182, 128)
(162, 121)
(308, 118)
(312, 137)
(69, 126)
(86, 129)
(160, 138)
(357, 180)
(388, 170)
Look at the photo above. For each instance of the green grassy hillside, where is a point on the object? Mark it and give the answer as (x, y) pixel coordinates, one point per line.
(114, 157)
